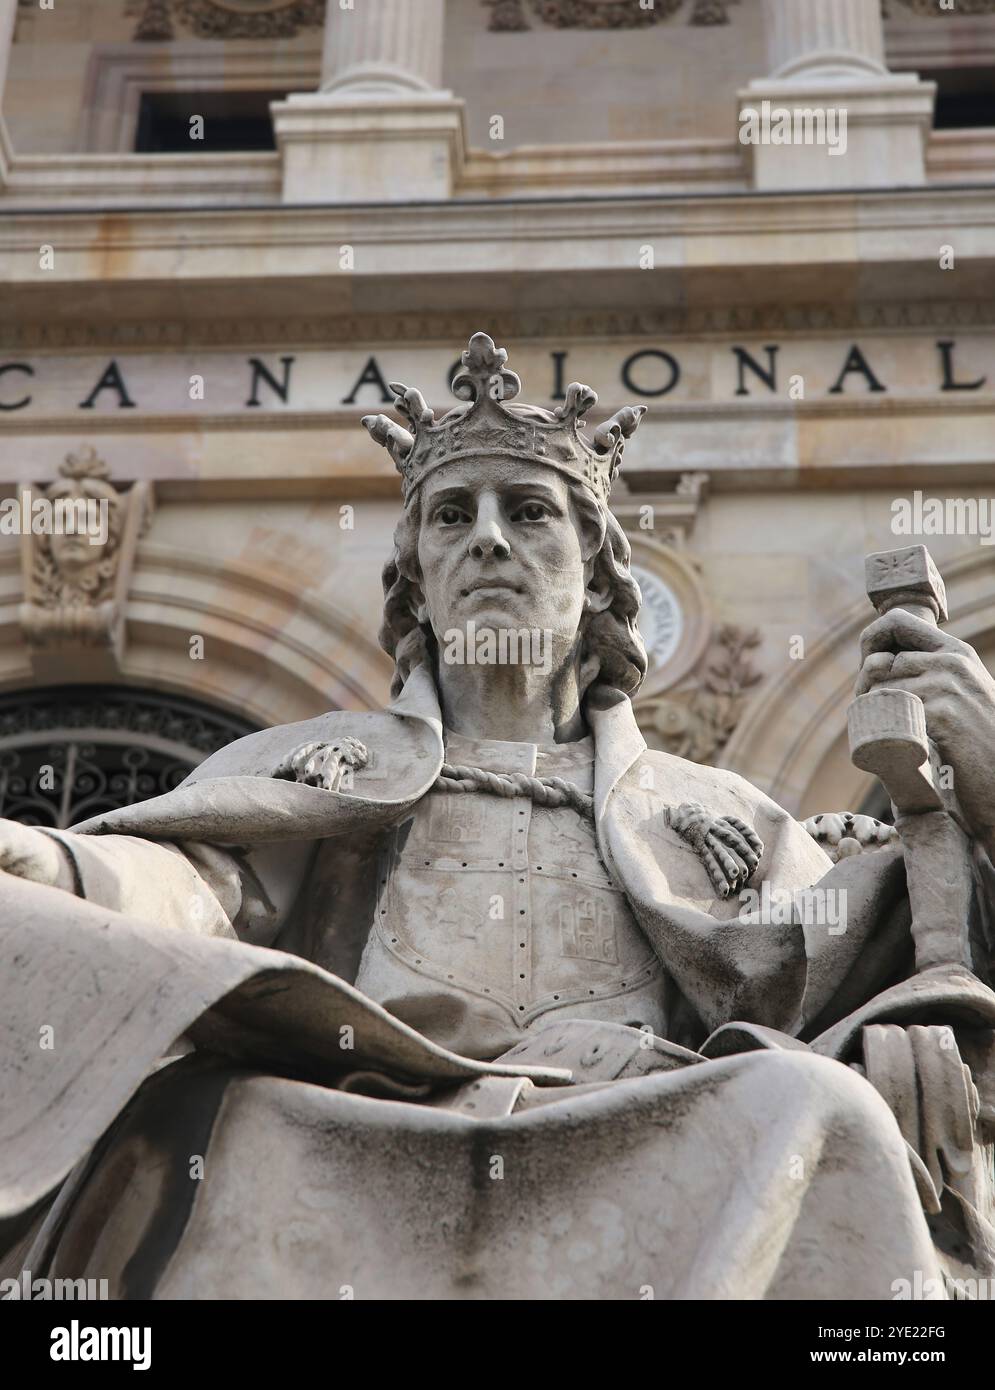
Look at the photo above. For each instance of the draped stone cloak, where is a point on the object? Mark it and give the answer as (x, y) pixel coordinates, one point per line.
(313, 1145)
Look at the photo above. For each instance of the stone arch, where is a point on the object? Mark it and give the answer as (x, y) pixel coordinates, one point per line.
(272, 653)
(792, 741)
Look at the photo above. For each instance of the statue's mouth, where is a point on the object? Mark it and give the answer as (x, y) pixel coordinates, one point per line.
(489, 586)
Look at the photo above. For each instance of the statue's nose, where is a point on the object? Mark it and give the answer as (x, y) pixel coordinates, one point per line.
(487, 542)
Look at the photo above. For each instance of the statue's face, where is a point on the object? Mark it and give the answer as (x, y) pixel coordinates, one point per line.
(501, 544)
(73, 553)
(83, 544)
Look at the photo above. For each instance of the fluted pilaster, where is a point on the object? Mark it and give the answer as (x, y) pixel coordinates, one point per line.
(8, 17)
(829, 114)
(380, 128)
(810, 38)
(383, 47)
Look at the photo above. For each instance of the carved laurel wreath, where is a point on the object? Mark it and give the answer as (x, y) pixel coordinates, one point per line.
(930, 8)
(225, 19)
(696, 720)
(270, 19)
(510, 15)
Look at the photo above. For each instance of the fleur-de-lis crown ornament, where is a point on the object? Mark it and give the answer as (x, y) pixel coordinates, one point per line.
(491, 425)
(86, 464)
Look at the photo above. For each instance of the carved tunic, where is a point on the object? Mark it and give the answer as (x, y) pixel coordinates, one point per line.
(494, 911)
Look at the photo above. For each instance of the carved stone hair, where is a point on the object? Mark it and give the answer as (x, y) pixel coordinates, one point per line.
(610, 636)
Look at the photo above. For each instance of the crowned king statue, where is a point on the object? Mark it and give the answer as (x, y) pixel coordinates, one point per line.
(479, 997)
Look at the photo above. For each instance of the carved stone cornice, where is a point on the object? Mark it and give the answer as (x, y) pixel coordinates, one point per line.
(510, 16)
(674, 513)
(225, 19)
(449, 326)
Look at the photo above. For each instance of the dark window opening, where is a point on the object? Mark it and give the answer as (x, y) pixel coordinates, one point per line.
(965, 98)
(71, 752)
(231, 121)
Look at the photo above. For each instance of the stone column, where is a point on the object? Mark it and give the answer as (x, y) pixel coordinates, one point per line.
(383, 47)
(824, 38)
(8, 18)
(831, 115)
(380, 128)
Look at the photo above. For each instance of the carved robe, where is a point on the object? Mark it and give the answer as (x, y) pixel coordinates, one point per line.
(431, 1148)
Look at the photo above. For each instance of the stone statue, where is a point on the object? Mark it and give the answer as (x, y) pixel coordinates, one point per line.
(481, 998)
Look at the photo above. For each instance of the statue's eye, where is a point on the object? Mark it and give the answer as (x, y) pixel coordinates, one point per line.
(532, 511)
(450, 516)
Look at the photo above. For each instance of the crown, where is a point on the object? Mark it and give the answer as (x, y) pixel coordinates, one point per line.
(488, 425)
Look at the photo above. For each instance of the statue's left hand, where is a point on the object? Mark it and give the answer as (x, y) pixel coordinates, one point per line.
(729, 849)
(901, 652)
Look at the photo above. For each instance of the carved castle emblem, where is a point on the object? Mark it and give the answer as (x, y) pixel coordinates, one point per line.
(587, 931)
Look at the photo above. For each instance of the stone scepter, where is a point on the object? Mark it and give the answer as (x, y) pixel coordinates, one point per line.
(888, 737)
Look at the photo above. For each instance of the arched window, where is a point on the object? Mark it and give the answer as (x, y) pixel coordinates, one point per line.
(70, 752)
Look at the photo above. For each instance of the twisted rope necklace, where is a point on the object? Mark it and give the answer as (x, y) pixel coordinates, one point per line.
(544, 791)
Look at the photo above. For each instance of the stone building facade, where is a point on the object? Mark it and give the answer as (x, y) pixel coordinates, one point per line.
(226, 225)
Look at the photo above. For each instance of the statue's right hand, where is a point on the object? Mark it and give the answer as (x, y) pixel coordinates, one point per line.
(30, 854)
(328, 765)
